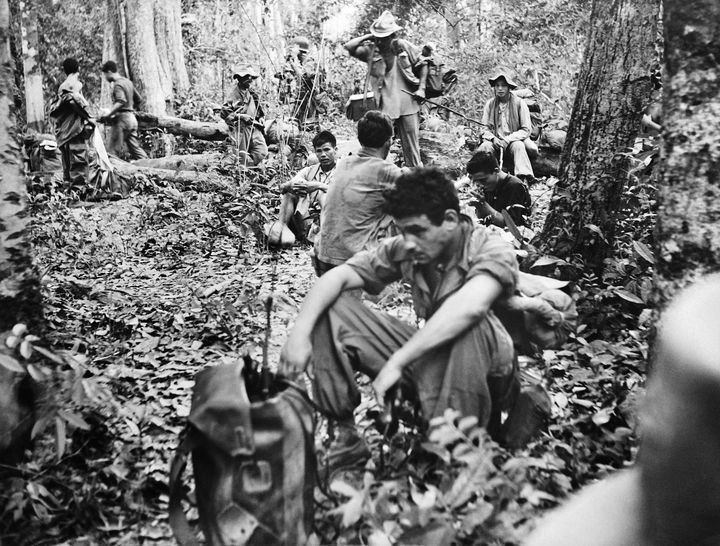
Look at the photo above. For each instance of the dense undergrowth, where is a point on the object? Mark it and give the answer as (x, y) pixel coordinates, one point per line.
(142, 293)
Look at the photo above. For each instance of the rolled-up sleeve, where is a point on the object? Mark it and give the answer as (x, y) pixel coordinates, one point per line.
(492, 255)
(378, 267)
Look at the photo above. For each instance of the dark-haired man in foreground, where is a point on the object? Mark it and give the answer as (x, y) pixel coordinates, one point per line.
(462, 358)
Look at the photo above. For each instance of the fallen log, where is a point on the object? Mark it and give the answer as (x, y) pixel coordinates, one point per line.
(189, 162)
(205, 130)
(168, 175)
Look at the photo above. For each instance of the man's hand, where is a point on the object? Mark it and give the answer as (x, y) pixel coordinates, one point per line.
(300, 188)
(419, 95)
(500, 142)
(295, 355)
(388, 376)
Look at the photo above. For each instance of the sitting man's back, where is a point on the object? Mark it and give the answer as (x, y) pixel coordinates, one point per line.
(352, 218)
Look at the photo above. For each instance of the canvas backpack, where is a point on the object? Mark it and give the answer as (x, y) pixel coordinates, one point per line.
(251, 436)
(439, 81)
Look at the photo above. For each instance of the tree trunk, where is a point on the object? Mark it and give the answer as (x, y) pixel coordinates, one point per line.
(19, 286)
(143, 59)
(206, 130)
(614, 87)
(34, 103)
(688, 227)
(168, 37)
(113, 44)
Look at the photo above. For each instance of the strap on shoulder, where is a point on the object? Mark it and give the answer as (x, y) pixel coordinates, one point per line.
(178, 520)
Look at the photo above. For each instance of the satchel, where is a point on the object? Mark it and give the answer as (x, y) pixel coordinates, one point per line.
(357, 105)
(251, 436)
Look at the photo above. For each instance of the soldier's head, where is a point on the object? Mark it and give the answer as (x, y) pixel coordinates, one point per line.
(303, 46)
(375, 131)
(110, 71)
(244, 77)
(70, 66)
(484, 170)
(425, 206)
(502, 83)
(384, 29)
(325, 146)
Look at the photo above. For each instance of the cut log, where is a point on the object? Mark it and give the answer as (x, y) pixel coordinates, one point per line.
(205, 130)
(189, 162)
(168, 175)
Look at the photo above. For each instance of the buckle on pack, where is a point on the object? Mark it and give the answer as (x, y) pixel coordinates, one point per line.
(244, 444)
(256, 476)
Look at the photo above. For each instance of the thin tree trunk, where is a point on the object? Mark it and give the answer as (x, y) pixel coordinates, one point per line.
(614, 87)
(688, 227)
(19, 287)
(34, 103)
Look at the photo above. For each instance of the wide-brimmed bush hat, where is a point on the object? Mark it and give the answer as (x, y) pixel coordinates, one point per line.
(243, 72)
(384, 25)
(504, 75)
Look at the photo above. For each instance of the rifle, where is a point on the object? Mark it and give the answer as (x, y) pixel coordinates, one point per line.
(456, 112)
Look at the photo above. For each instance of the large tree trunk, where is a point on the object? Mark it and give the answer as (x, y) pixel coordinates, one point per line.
(143, 59)
(34, 103)
(168, 37)
(614, 87)
(19, 286)
(688, 228)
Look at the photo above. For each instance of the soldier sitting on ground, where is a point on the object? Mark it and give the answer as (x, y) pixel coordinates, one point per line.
(507, 126)
(462, 358)
(497, 191)
(306, 191)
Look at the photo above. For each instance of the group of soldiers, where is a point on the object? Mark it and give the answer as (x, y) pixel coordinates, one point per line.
(380, 224)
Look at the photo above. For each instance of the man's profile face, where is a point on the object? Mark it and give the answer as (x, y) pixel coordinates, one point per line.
(485, 181)
(425, 241)
(502, 89)
(108, 76)
(326, 154)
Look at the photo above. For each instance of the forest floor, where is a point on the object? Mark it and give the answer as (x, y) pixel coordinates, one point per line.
(148, 290)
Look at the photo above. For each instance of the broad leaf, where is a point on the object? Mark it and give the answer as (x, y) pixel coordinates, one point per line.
(11, 364)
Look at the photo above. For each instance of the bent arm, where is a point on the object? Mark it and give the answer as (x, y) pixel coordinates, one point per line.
(488, 125)
(296, 353)
(465, 308)
(355, 48)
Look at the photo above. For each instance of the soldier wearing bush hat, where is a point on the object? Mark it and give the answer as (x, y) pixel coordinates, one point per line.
(399, 89)
(244, 115)
(507, 126)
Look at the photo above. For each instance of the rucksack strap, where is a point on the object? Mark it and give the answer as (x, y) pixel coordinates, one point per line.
(178, 520)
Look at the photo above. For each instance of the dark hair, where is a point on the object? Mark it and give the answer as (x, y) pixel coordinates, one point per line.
(374, 129)
(482, 162)
(324, 137)
(423, 190)
(109, 66)
(70, 66)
